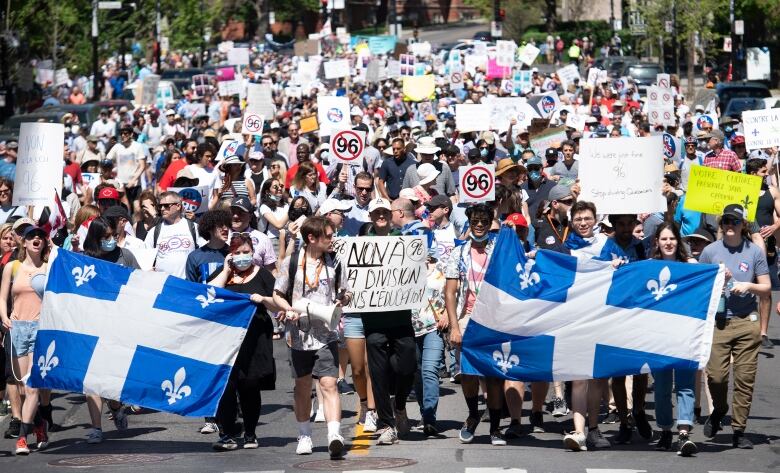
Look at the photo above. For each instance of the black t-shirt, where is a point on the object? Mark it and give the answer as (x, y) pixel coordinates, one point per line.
(551, 236)
(536, 195)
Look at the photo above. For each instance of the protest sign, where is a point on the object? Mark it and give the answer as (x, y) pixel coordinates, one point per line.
(762, 128)
(192, 110)
(504, 109)
(522, 80)
(336, 69)
(421, 49)
(663, 80)
(61, 77)
(418, 88)
(39, 163)
(293, 91)
(252, 122)
(528, 54)
(576, 121)
(546, 104)
(593, 76)
(507, 86)
(238, 57)
(372, 71)
(494, 71)
(309, 124)
(660, 105)
(91, 179)
(477, 183)
(228, 88)
(393, 69)
(672, 148)
(149, 89)
(384, 273)
(332, 113)
(347, 147)
(472, 117)
(44, 76)
(193, 199)
(456, 80)
(407, 64)
(622, 175)
(307, 72)
(547, 138)
(480, 48)
(711, 189)
(708, 120)
(258, 98)
(225, 46)
(381, 44)
(473, 61)
(758, 64)
(227, 148)
(226, 73)
(505, 53)
(568, 75)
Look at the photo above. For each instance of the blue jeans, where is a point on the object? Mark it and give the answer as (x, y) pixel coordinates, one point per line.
(684, 381)
(430, 349)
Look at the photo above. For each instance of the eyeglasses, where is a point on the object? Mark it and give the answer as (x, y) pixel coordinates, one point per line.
(358, 189)
(479, 221)
(583, 219)
(267, 143)
(276, 187)
(168, 205)
(731, 221)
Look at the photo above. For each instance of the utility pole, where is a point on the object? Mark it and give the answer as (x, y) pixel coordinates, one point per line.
(675, 44)
(202, 33)
(157, 38)
(96, 77)
(732, 54)
(612, 17)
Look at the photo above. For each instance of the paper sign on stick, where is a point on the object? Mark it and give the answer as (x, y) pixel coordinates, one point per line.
(332, 113)
(528, 54)
(39, 163)
(711, 189)
(472, 117)
(252, 123)
(193, 199)
(477, 183)
(347, 146)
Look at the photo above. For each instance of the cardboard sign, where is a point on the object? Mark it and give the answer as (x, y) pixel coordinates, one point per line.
(418, 88)
(505, 53)
(762, 128)
(149, 89)
(528, 54)
(193, 199)
(472, 117)
(238, 57)
(710, 190)
(384, 273)
(622, 175)
(547, 138)
(477, 183)
(39, 163)
(336, 69)
(332, 113)
(309, 124)
(347, 146)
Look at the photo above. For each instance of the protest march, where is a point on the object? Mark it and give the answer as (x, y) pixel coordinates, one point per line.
(392, 223)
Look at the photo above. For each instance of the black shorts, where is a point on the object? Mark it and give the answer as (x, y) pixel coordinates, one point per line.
(320, 363)
(132, 194)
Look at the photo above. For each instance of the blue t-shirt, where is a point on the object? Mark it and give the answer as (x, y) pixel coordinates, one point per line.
(202, 262)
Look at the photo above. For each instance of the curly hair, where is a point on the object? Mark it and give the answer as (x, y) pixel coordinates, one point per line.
(213, 219)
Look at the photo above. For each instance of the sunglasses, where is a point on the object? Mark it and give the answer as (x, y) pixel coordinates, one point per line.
(480, 221)
(566, 201)
(167, 206)
(363, 189)
(731, 221)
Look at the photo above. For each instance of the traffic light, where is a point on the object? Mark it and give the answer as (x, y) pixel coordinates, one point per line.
(498, 13)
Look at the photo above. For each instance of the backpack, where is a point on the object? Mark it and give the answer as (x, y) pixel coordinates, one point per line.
(190, 224)
(292, 270)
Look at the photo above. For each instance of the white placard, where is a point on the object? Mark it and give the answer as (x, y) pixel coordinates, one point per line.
(472, 117)
(193, 199)
(456, 80)
(336, 69)
(61, 77)
(385, 273)
(477, 183)
(480, 48)
(660, 97)
(568, 75)
(332, 113)
(758, 63)
(706, 120)
(145, 257)
(504, 109)
(91, 179)
(149, 89)
(528, 54)
(252, 122)
(473, 61)
(238, 56)
(422, 49)
(293, 91)
(663, 81)
(225, 46)
(44, 76)
(575, 121)
(227, 148)
(347, 146)
(393, 69)
(505, 53)
(593, 76)
(547, 104)
(39, 163)
(622, 175)
(307, 72)
(259, 99)
(762, 128)
(228, 88)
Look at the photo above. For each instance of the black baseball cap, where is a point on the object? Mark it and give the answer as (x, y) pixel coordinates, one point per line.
(242, 203)
(736, 211)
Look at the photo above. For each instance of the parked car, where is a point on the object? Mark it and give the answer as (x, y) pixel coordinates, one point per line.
(643, 74)
(726, 91)
(738, 105)
(167, 93)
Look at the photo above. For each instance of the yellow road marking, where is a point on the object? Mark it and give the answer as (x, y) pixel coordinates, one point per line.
(361, 441)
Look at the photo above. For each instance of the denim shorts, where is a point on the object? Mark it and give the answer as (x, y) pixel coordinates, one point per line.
(353, 327)
(23, 335)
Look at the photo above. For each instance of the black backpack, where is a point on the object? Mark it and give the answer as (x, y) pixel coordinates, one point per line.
(190, 224)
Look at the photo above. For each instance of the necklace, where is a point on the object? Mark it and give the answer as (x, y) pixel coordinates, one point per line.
(243, 278)
(317, 271)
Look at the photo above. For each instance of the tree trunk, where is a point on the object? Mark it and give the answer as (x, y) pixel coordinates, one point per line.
(261, 13)
(550, 13)
(691, 57)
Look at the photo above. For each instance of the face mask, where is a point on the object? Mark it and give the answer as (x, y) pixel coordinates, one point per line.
(481, 239)
(483, 152)
(295, 214)
(274, 198)
(535, 175)
(728, 130)
(108, 245)
(242, 262)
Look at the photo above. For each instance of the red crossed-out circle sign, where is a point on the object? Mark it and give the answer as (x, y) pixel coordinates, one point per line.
(477, 182)
(653, 96)
(663, 83)
(347, 145)
(456, 77)
(253, 123)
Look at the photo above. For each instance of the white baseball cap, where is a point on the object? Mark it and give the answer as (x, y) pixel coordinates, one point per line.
(378, 203)
(335, 204)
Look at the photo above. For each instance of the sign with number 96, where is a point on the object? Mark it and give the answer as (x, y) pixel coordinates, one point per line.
(252, 123)
(347, 146)
(477, 183)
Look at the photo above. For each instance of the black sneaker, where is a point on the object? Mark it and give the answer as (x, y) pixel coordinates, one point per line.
(624, 435)
(537, 422)
(738, 440)
(766, 342)
(13, 428)
(345, 387)
(665, 442)
(643, 426)
(514, 431)
(430, 431)
(611, 418)
(685, 446)
(225, 443)
(712, 426)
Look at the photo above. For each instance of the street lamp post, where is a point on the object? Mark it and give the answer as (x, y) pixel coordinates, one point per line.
(96, 79)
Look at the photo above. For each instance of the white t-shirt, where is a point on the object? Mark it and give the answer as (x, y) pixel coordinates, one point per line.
(174, 244)
(264, 225)
(21, 211)
(103, 131)
(206, 177)
(126, 159)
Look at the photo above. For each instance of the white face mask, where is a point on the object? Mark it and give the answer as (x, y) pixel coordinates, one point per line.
(242, 262)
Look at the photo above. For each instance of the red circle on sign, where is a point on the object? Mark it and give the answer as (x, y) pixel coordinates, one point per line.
(347, 145)
(253, 119)
(663, 83)
(653, 96)
(456, 77)
(667, 97)
(667, 115)
(478, 192)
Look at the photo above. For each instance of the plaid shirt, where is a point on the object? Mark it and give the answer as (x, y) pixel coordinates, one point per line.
(726, 160)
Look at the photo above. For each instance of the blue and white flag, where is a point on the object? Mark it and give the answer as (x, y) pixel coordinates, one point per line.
(144, 338)
(559, 317)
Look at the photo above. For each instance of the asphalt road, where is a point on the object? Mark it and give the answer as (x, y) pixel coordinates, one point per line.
(162, 442)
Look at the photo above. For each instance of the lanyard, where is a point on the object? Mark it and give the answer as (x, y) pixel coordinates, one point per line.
(555, 230)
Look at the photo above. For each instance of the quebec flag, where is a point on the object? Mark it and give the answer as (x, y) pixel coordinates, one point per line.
(143, 338)
(562, 318)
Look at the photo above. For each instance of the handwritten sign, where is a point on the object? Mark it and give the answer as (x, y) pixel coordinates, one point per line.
(193, 199)
(477, 183)
(547, 138)
(762, 128)
(385, 273)
(710, 190)
(528, 54)
(622, 175)
(39, 163)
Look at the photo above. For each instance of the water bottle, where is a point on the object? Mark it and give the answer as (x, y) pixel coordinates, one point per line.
(723, 297)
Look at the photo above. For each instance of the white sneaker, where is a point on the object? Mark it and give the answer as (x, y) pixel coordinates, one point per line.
(401, 423)
(96, 436)
(335, 446)
(370, 423)
(209, 428)
(320, 417)
(575, 441)
(304, 445)
(387, 436)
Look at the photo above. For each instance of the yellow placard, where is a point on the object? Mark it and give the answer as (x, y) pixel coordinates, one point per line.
(710, 190)
(418, 88)
(309, 124)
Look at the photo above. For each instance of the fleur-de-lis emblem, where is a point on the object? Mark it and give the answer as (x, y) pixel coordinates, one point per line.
(83, 274)
(49, 361)
(209, 298)
(661, 287)
(746, 202)
(504, 358)
(176, 390)
(527, 276)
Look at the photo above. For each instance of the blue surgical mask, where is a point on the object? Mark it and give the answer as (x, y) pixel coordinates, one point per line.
(483, 152)
(108, 245)
(728, 129)
(242, 262)
(535, 175)
(481, 239)
(274, 198)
